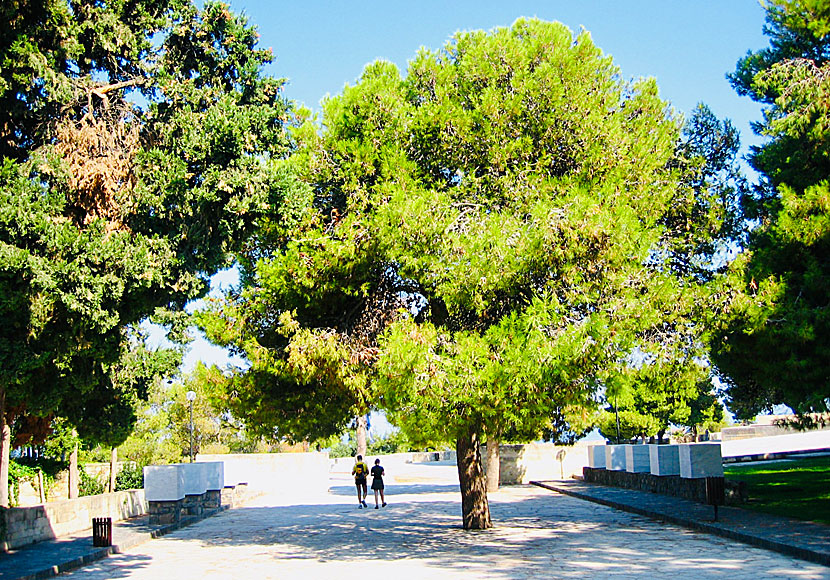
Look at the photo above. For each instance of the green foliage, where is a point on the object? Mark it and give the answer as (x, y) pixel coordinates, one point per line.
(773, 345)
(17, 473)
(347, 448)
(150, 442)
(394, 442)
(472, 211)
(89, 485)
(706, 225)
(92, 243)
(162, 431)
(61, 441)
(131, 476)
(670, 388)
(27, 469)
(215, 428)
(527, 240)
(632, 425)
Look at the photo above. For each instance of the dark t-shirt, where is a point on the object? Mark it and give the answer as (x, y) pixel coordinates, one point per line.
(377, 472)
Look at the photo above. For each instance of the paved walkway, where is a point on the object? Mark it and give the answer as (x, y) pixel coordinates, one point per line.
(538, 534)
(805, 540)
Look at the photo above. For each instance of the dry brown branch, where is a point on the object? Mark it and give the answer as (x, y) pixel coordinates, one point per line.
(98, 150)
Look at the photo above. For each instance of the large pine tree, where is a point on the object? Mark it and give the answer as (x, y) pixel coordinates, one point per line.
(483, 239)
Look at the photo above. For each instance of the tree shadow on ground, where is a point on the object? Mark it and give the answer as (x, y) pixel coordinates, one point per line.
(394, 490)
(129, 564)
(536, 534)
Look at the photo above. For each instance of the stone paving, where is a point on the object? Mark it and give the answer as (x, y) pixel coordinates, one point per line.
(807, 540)
(538, 534)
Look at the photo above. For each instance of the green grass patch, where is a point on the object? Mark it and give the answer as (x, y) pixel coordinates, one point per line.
(798, 488)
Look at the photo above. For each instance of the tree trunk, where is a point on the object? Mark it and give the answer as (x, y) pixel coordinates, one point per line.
(361, 435)
(113, 466)
(475, 510)
(493, 464)
(5, 449)
(74, 482)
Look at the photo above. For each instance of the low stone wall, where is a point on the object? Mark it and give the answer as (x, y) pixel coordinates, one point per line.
(340, 464)
(520, 464)
(430, 456)
(293, 473)
(26, 525)
(752, 431)
(673, 485)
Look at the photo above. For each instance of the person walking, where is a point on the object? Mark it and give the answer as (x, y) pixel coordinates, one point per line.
(377, 483)
(360, 471)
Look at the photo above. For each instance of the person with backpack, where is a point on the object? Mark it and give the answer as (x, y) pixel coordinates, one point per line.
(360, 471)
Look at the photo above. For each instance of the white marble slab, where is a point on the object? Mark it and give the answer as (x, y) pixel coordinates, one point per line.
(195, 478)
(664, 459)
(700, 460)
(163, 483)
(637, 459)
(615, 457)
(596, 456)
(215, 475)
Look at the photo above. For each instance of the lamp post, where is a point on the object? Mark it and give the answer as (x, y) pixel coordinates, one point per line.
(191, 396)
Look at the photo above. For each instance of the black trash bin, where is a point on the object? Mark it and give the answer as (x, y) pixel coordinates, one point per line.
(715, 492)
(102, 532)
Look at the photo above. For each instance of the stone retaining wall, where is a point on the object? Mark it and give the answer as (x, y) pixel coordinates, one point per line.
(519, 464)
(673, 485)
(26, 525)
(345, 463)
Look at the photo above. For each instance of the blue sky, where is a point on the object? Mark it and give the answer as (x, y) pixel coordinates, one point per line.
(687, 45)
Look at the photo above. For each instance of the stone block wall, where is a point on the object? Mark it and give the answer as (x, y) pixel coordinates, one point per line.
(165, 512)
(193, 505)
(213, 499)
(672, 485)
(27, 525)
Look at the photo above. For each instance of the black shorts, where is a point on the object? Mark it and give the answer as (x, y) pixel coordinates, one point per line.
(360, 483)
(377, 484)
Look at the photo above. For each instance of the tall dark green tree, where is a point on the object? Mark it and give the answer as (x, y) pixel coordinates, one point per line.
(775, 343)
(138, 141)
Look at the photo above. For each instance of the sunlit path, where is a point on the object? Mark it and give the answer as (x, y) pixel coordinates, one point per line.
(538, 534)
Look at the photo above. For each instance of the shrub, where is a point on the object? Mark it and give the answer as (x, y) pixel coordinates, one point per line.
(131, 476)
(17, 474)
(88, 485)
